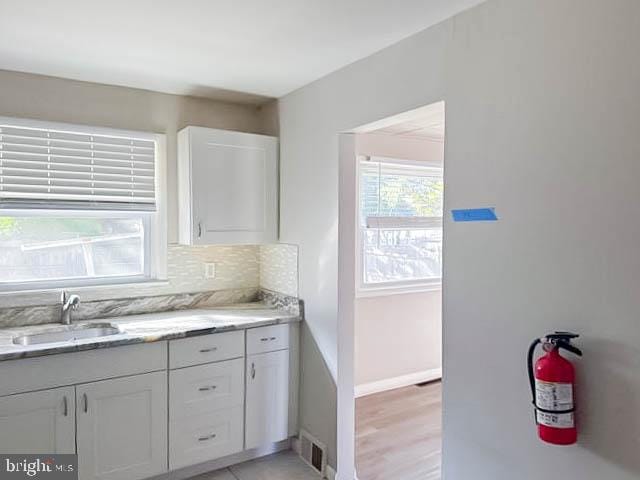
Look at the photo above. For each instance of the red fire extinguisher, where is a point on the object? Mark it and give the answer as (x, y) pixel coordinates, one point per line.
(552, 383)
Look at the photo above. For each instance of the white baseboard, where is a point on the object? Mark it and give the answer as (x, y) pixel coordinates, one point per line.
(397, 382)
(331, 473)
(295, 444)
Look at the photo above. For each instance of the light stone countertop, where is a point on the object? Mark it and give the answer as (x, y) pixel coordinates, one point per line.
(151, 327)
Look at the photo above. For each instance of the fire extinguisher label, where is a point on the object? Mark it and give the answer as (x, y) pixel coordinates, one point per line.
(556, 420)
(555, 397)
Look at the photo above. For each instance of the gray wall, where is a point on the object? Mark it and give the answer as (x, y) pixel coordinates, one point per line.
(542, 107)
(60, 100)
(311, 118)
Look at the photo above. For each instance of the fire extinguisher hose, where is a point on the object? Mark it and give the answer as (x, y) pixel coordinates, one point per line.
(532, 381)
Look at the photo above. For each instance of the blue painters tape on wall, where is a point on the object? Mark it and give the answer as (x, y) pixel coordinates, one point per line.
(475, 215)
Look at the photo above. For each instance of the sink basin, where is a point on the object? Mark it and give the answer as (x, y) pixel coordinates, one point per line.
(69, 334)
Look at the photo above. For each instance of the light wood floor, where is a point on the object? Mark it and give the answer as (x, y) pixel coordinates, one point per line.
(399, 434)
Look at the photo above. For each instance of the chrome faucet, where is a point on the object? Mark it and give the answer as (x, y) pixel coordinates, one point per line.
(69, 303)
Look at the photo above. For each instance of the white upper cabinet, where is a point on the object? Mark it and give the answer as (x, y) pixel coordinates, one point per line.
(228, 187)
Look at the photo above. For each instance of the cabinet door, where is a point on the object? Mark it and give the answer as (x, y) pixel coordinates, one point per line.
(234, 186)
(267, 403)
(38, 422)
(122, 427)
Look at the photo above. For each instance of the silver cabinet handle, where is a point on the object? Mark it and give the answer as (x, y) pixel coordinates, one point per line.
(207, 437)
(86, 402)
(206, 389)
(208, 350)
(253, 370)
(65, 406)
(268, 339)
(199, 229)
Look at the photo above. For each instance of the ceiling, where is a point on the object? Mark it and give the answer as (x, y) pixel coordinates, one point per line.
(206, 48)
(424, 123)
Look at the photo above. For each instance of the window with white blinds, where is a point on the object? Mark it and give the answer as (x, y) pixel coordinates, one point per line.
(79, 206)
(67, 169)
(400, 212)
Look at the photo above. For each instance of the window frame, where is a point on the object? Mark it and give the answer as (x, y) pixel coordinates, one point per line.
(155, 224)
(399, 287)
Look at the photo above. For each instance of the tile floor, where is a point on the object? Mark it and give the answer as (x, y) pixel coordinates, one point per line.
(281, 466)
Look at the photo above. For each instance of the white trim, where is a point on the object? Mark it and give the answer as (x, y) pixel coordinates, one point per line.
(347, 240)
(386, 290)
(397, 382)
(159, 224)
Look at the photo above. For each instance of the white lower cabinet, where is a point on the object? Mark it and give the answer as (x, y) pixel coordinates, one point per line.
(38, 422)
(206, 437)
(206, 398)
(206, 417)
(122, 427)
(267, 399)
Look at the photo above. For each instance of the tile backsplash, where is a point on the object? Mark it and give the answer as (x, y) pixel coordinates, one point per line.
(279, 268)
(241, 271)
(236, 266)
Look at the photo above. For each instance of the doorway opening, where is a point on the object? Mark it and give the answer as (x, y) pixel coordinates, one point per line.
(397, 301)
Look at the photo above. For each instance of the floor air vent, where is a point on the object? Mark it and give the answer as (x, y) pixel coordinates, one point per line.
(313, 452)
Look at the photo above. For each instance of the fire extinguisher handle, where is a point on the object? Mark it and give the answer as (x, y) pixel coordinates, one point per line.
(567, 346)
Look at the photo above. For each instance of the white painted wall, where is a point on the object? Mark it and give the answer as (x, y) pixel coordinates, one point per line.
(398, 339)
(542, 106)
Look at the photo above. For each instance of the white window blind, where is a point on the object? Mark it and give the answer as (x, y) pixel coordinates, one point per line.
(66, 169)
(397, 195)
(400, 224)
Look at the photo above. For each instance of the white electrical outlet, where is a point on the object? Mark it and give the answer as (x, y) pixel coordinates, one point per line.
(209, 270)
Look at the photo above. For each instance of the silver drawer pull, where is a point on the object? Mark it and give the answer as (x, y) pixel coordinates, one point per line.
(206, 389)
(267, 339)
(207, 437)
(208, 350)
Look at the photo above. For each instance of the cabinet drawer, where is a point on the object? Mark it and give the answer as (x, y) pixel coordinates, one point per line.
(205, 349)
(201, 438)
(267, 339)
(206, 388)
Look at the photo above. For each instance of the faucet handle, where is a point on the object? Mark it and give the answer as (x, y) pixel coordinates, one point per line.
(63, 297)
(74, 301)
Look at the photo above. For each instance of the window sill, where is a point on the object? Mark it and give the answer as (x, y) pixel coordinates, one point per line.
(89, 293)
(398, 290)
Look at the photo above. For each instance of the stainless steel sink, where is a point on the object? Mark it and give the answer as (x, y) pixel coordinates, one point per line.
(69, 334)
